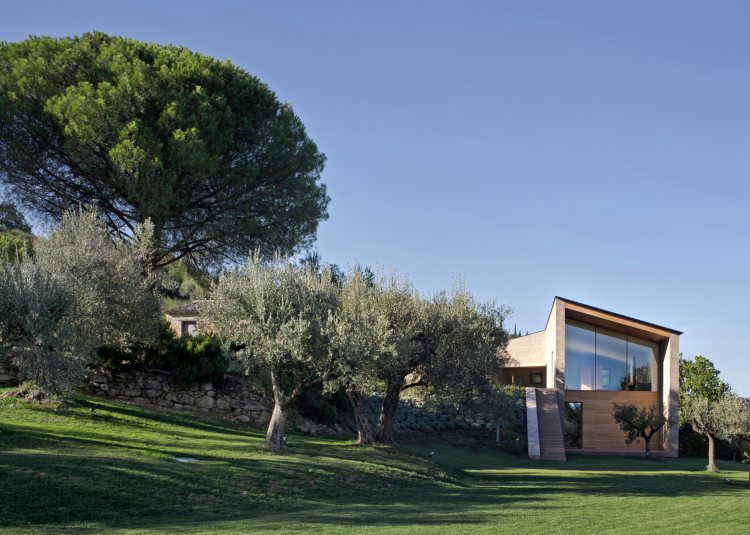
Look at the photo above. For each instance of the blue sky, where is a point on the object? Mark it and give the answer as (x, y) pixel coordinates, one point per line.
(593, 150)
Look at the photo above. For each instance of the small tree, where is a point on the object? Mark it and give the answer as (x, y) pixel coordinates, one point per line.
(723, 418)
(505, 404)
(272, 314)
(639, 422)
(701, 391)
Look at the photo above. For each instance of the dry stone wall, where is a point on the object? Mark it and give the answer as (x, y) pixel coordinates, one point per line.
(234, 399)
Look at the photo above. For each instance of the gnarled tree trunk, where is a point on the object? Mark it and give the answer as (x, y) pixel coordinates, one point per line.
(364, 431)
(711, 454)
(275, 431)
(384, 433)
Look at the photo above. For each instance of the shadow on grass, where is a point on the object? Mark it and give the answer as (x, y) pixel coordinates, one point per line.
(125, 479)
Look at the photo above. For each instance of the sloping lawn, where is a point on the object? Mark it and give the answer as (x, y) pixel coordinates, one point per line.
(113, 469)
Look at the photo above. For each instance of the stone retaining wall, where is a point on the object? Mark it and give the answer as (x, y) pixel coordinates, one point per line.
(233, 400)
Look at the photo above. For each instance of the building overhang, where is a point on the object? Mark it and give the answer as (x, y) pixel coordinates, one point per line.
(616, 322)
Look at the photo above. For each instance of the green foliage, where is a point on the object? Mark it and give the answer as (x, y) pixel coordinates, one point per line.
(189, 359)
(315, 406)
(80, 291)
(186, 284)
(699, 378)
(194, 359)
(726, 418)
(272, 313)
(39, 330)
(144, 131)
(14, 248)
(110, 279)
(505, 403)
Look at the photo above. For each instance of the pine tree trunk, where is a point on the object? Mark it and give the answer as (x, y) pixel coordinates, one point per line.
(711, 455)
(497, 431)
(364, 431)
(275, 431)
(384, 433)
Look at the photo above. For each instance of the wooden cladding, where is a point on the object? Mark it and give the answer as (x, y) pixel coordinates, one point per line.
(600, 432)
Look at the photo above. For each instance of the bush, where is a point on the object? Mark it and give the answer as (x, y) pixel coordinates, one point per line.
(190, 359)
(323, 409)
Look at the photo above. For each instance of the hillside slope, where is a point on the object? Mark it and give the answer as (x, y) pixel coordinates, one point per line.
(114, 469)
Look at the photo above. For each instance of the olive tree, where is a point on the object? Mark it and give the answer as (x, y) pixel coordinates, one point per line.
(450, 345)
(505, 403)
(271, 316)
(81, 290)
(722, 418)
(358, 336)
(38, 327)
(639, 422)
(112, 281)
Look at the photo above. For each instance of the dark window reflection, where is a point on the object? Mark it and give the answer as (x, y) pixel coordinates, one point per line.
(573, 424)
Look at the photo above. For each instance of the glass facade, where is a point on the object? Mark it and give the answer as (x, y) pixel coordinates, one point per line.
(599, 359)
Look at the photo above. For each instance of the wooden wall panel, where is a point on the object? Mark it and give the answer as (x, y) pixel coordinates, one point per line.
(600, 432)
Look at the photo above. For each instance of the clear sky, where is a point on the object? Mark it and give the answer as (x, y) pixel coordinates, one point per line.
(595, 150)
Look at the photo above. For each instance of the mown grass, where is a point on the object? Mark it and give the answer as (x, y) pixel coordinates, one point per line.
(113, 470)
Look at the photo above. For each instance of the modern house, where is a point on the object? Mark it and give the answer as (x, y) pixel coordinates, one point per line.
(584, 362)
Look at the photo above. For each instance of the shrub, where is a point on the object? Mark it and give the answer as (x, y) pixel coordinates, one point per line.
(191, 359)
(322, 409)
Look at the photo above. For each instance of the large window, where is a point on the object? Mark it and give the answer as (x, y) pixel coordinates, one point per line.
(599, 359)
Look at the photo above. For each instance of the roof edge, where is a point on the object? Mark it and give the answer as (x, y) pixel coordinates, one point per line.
(617, 315)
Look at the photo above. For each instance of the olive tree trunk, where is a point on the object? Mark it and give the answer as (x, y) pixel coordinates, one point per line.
(647, 440)
(384, 433)
(275, 431)
(364, 431)
(711, 454)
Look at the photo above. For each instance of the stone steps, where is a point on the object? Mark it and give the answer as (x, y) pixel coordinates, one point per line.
(552, 445)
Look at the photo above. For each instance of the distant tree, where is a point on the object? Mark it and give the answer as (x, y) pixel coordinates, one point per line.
(271, 316)
(80, 291)
(505, 404)
(724, 418)
(699, 378)
(639, 422)
(701, 390)
(143, 131)
(12, 220)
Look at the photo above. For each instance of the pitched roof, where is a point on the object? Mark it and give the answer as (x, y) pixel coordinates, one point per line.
(617, 315)
(188, 309)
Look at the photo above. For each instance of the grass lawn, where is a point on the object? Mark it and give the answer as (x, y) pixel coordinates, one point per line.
(75, 471)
